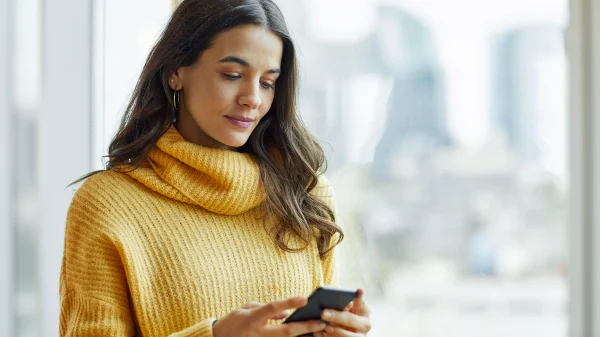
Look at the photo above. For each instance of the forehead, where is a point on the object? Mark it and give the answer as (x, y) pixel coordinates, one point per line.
(259, 46)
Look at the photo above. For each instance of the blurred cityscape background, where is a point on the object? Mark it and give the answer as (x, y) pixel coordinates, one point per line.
(444, 123)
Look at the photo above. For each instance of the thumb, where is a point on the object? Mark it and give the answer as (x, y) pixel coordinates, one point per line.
(359, 306)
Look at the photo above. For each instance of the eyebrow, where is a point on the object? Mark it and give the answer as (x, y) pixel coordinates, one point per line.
(235, 59)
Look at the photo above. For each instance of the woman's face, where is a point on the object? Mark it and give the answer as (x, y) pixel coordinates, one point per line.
(230, 88)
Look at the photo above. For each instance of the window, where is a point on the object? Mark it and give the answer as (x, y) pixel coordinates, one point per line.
(446, 132)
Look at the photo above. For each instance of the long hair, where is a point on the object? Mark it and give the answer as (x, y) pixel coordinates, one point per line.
(289, 157)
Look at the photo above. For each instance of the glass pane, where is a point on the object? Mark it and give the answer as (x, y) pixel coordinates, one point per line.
(121, 56)
(446, 130)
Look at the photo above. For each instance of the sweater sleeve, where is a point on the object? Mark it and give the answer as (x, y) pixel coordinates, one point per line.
(94, 294)
(85, 316)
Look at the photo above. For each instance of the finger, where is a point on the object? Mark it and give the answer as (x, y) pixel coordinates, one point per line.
(274, 308)
(281, 315)
(340, 332)
(296, 329)
(319, 334)
(347, 320)
(252, 305)
(359, 306)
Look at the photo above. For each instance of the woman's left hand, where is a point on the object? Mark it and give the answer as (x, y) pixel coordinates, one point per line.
(352, 322)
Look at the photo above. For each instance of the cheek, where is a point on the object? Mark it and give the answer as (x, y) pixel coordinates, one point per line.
(267, 102)
(221, 94)
(212, 95)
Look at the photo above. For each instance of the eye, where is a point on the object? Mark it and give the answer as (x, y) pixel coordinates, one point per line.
(267, 85)
(231, 77)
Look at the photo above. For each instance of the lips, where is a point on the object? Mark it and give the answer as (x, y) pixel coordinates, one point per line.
(241, 118)
(242, 122)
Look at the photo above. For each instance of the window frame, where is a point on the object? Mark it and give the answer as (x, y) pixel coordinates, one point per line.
(6, 172)
(64, 136)
(583, 46)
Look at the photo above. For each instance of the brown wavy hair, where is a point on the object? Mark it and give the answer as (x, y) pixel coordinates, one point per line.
(289, 157)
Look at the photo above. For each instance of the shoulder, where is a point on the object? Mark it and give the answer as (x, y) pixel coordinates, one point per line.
(101, 194)
(324, 191)
(101, 186)
(324, 188)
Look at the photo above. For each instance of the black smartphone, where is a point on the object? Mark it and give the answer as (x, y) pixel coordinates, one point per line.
(322, 298)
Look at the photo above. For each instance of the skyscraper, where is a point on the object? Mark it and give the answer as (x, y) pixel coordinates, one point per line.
(529, 65)
(416, 116)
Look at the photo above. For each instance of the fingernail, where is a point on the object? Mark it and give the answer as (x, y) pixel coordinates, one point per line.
(326, 314)
(329, 329)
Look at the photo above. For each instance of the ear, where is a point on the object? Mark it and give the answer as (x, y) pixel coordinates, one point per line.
(175, 80)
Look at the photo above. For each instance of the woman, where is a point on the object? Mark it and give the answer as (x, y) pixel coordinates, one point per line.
(213, 215)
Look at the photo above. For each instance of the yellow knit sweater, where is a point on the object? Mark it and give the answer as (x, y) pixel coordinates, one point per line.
(166, 249)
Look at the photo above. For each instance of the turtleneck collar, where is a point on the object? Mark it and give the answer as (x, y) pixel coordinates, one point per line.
(218, 180)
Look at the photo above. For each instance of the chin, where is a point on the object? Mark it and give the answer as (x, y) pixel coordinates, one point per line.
(235, 141)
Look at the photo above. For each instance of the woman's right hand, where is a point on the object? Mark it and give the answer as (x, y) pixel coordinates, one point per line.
(252, 321)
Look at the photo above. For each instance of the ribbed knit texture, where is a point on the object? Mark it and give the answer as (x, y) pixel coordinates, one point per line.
(166, 249)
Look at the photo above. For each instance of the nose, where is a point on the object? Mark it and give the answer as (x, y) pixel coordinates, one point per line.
(251, 98)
